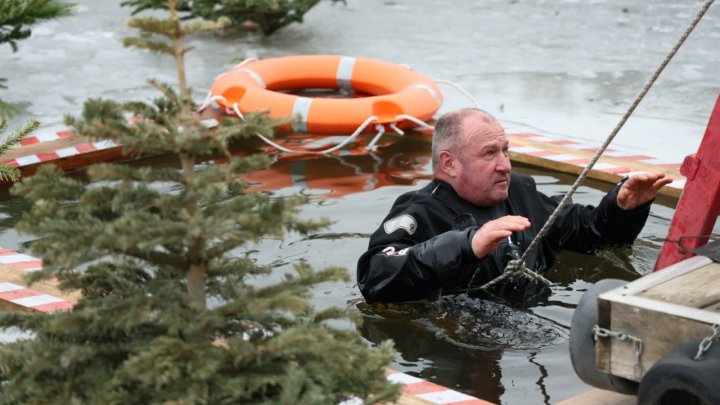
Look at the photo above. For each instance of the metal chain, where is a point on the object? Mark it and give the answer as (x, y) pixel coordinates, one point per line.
(707, 342)
(612, 135)
(599, 332)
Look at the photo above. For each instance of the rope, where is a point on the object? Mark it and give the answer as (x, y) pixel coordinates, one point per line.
(416, 120)
(397, 130)
(247, 60)
(347, 140)
(514, 270)
(380, 132)
(679, 241)
(460, 90)
(209, 99)
(236, 109)
(586, 170)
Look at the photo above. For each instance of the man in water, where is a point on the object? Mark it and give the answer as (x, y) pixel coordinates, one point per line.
(457, 229)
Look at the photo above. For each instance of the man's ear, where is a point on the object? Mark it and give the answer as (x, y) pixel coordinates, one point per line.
(448, 163)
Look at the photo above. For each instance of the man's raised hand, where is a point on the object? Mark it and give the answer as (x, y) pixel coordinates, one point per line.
(640, 189)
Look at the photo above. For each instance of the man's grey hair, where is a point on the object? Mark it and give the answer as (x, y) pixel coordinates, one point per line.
(447, 134)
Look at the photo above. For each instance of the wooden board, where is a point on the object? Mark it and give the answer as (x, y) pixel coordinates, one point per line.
(697, 289)
(45, 147)
(38, 293)
(406, 399)
(664, 309)
(68, 163)
(634, 165)
(600, 397)
(15, 276)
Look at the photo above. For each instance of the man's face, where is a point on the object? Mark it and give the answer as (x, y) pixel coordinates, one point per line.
(483, 177)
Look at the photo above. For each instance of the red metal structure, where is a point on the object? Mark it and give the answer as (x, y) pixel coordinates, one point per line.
(699, 204)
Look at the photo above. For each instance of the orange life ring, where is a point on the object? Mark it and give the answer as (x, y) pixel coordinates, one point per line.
(394, 90)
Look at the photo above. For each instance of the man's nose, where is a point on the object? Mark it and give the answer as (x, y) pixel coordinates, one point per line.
(503, 164)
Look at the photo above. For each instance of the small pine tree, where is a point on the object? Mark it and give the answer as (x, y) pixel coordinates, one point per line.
(16, 16)
(149, 248)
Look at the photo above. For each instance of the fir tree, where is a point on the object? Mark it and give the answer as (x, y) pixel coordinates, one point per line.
(149, 248)
(268, 15)
(16, 16)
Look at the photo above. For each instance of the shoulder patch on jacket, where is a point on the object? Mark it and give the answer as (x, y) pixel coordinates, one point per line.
(404, 221)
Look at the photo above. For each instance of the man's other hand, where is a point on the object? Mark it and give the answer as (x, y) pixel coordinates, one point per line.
(640, 189)
(489, 235)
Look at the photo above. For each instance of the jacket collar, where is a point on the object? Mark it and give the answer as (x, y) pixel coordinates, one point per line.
(445, 193)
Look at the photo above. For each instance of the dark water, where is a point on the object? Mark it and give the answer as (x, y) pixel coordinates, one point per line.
(501, 353)
(559, 67)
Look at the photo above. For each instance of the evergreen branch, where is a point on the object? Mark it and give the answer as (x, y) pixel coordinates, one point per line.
(167, 91)
(149, 44)
(143, 5)
(49, 188)
(16, 14)
(154, 257)
(187, 49)
(306, 277)
(334, 313)
(219, 249)
(33, 11)
(9, 173)
(121, 172)
(13, 139)
(152, 25)
(21, 320)
(207, 26)
(7, 110)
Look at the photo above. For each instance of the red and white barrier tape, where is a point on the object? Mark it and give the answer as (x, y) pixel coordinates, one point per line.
(23, 296)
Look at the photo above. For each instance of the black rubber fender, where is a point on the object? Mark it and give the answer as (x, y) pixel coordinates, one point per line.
(679, 379)
(582, 342)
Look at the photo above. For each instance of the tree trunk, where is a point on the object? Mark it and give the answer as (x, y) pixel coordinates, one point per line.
(196, 271)
(177, 41)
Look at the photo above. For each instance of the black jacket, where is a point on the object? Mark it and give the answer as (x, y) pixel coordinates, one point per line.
(423, 246)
